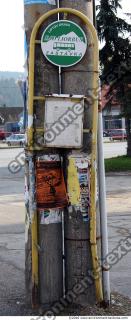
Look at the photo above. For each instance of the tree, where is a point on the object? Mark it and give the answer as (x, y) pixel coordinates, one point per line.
(10, 94)
(115, 57)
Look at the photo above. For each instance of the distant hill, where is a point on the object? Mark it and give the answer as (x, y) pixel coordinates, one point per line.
(10, 74)
(10, 94)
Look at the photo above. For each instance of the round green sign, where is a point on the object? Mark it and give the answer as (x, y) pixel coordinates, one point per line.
(64, 43)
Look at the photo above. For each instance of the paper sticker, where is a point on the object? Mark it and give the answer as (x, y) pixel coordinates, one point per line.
(79, 185)
(49, 157)
(28, 2)
(50, 216)
(30, 121)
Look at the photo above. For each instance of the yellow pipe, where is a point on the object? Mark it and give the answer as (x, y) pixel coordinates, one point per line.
(32, 54)
(94, 131)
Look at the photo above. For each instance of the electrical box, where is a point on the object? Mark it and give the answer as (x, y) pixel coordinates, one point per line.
(63, 125)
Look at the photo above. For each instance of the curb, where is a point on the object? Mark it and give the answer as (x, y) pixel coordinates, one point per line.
(10, 147)
(118, 174)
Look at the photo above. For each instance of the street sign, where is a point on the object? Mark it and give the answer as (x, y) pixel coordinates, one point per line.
(64, 43)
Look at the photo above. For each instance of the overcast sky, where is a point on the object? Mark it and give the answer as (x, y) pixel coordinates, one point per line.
(12, 34)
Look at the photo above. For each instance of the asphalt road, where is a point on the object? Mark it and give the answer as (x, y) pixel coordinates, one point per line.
(12, 233)
(111, 149)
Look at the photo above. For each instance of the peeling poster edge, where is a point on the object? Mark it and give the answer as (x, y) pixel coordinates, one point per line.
(50, 216)
(79, 185)
(29, 2)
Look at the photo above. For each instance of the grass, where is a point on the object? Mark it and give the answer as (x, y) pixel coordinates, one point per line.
(118, 164)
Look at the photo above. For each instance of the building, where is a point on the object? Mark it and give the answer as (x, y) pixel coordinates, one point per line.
(10, 114)
(112, 114)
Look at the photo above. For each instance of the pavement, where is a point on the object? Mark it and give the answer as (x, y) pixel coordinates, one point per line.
(12, 234)
(12, 237)
(119, 227)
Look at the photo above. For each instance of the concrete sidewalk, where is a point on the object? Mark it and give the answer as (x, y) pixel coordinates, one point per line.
(5, 146)
(119, 227)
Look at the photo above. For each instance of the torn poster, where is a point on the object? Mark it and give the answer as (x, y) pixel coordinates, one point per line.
(79, 185)
(50, 185)
(50, 216)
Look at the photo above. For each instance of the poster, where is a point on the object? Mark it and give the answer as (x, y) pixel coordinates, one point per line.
(28, 2)
(50, 185)
(79, 185)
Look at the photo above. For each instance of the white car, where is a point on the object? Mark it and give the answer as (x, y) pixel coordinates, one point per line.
(16, 140)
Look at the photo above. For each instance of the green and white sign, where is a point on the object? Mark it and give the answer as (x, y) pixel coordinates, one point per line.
(64, 43)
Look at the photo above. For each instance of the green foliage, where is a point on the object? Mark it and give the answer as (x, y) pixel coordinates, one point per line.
(118, 164)
(114, 31)
(115, 58)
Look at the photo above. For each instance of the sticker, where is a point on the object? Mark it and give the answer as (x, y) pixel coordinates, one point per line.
(64, 43)
(32, 189)
(50, 185)
(79, 185)
(50, 216)
(26, 192)
(30, 121)
(27, 226)
(49, 157)
(28, 2)
(73, 183)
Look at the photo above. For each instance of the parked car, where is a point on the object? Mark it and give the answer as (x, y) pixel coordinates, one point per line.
(16, 140)
(2, 135)
(118, 134)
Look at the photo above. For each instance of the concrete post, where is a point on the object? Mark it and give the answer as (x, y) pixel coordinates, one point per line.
(50, 276)
(77, 80)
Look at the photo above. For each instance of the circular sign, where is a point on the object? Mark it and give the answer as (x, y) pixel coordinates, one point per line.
(64, 43)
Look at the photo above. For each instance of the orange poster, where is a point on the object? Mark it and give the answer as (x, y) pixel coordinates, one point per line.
(50, 185)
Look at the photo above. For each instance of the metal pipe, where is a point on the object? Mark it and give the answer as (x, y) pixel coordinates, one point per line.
(95, 58)
(102, 196)
(60, 83)
(103, 212)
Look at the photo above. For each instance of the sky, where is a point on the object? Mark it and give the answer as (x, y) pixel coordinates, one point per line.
(12, 33)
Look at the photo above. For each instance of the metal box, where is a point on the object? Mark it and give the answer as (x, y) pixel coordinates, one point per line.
(64, 121)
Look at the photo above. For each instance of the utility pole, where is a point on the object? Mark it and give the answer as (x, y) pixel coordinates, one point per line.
(47, 287)
(78, 80)
(77, 237)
